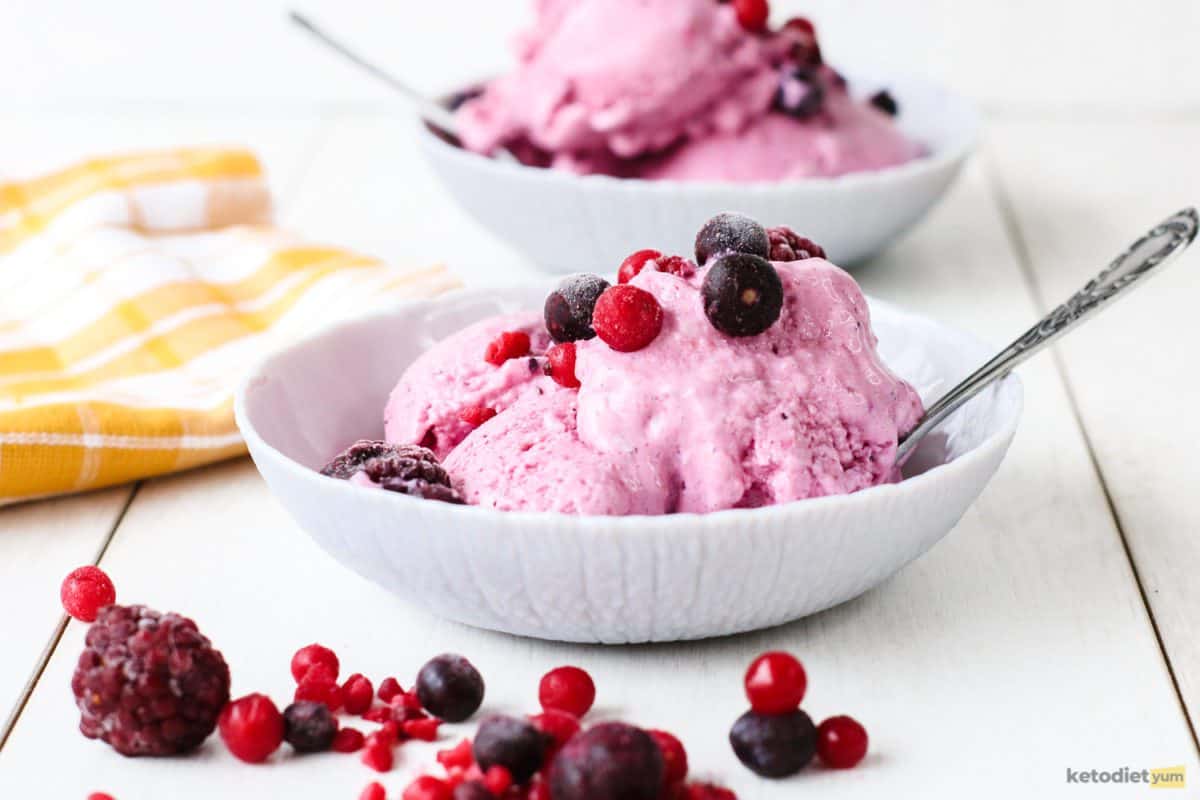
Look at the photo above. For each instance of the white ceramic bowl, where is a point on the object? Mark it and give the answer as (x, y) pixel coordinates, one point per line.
(603, 579)
(569, 223)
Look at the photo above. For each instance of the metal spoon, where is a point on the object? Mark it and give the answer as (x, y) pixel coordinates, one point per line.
(1144, 256)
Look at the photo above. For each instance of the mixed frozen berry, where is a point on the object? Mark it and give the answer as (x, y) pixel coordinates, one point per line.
(731, 233)
(568, 689)
(568, 309)
(85, 591)
(787, 245)
(775, 683)
(841, 742)
(402, 468)
(610, 760)
(774, 745)
(506, 346)
(627, 318)
(309, 727)
(252, 728)
(752, 14)
(450, 688)
(742, 293)
(515, 744)
(560, 365)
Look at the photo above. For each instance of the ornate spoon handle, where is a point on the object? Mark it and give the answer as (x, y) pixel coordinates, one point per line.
(1140, 259)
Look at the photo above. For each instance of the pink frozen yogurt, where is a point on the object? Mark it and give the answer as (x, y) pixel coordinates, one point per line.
(697, 421)
(676, 89)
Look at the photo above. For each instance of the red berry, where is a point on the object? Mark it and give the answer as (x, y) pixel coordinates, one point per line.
(841, 742)
(389, 688)
(706, 791)
(775, 683)
(560, 365)
(373, 791)
(675, 758)
(378, 756)
(509, 344)
(378, 714)
(308, 657)
(348, 740)
(476, 415)
(559, 725)
(357, 694)
(424, 729)
(85, 591)
(634, 264)
(427, 787)
(251, 727)
(317, 689)
(675, 265)
(388, 733)
(497, 779)
(98, 795)
(752, 14)
(458, 756)
(627, 318)
(568, 689)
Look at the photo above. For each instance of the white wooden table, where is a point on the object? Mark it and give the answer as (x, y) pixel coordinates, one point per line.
(1055, 629)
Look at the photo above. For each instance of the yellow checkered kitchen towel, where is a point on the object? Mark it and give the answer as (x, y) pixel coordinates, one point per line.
(134, 292)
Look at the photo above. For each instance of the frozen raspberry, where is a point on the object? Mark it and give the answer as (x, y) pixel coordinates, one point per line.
(841, 742)
(450, 687)
(560, 365)
(373, 791)
(389, 688)
(309, 727)
(743, 295)
(407, 469)
(508, 345)
(347, 740)
(378, 714)
(317, 687)
(558, 725)
(311, 656)
(884, 101)
(610, 760)
(512, 743)
(787, 245)
(148, 684)
(476, 415)
(357, 694)
(675, 760)
(252, 728)
(427, 787)
(752, 14)
(775, 683)
(425, 730)
(706, 791)
(634, 264)
(458, 756)
(378, 755)
(406, 706)
(675, 265)
(568, 309)
(731, 233)
(774, 745)
(85, 591)
(567, 689)
(627, 318)
(800, 94)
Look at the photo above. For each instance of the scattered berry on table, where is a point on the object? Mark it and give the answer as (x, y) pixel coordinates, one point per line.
(675, 760)
(312, 656)
(318, 687)
(558, 725)
(460, 755)
(841, 742)
(473, 790)
(389, 688)
(347, 740)
(450, 687)
(568, 689)
(775, 683)
(507, 345)
(85, 591)
(609, 761)
(252, 728)
(515, 744)
(731, 233)
(884, 101)
(774, 745)
(378, 755)
(476, 415)
(568, 309)
(497, 779)
(373, 791)
(560, 365)
(787, 245)
(425, 730)
(148, 684)
(99, 796)
(634, 263)
(627, 318)
(378, 714)
(752, 14)
(309, 727)
(357, 694)
(705, 791)
(427, 787)
(742, 294)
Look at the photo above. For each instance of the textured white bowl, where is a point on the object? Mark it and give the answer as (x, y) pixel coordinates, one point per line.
(569, 223)
(604, 579)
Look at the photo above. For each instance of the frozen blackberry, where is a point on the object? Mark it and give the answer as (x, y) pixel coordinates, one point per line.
(884, 101)
(610, 761)
(731, 233)
(309, 727)
(800, 94)
(568, 309)
(743, 295)
(148, 684)
(787, 245)
(774, 745)
(450, 688)
(512, 743)
(405, 468)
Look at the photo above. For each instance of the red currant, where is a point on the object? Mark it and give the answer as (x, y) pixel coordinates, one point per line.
(841, 742)
(252, 728)
(559, 725)
(775, 683)
(85, 591)
(674, 757)
(373, 791)
(560, 365)
(389, 688)
(357, 694)
(348, 740)
(627, 318)
(314, 655)
(461, 755)
(378, 756)
(568, 689)
(752, 14)
(635, 263)
(476, 415)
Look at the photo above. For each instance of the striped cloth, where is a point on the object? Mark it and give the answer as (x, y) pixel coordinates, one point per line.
(134, 292)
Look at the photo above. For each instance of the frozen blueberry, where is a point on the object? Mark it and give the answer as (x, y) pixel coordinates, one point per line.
(610, 761)
(774, 745)
(568, 309)
(742, 294)
(512, 743)
(731, 233)
(884, 101)
(450, 688)
(309, 727)
(800, 93)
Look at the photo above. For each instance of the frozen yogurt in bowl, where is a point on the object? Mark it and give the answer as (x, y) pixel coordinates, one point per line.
(687, 450)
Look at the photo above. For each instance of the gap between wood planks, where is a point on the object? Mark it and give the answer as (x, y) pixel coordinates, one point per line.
(1012, 229)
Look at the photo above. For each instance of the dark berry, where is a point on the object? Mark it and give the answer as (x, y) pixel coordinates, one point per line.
(568, 689)
(675, 760)
(450, 687)
(373, 791)
(560, 365)
(473, 790)
(357, 694)
(731, 233)
(752, 14)
(476, 415)
(560, 726)
(348, 740)
(634, 264)
(775, 683)
(841, 742)
(148, 684)
(427, 787)
(800, 94)
(403, 468)
(627, 318)
(568, 309)
(85, 591)
(507, 345)
(774, 745)
(512, 743)
(252, 728)
(309, 727)
(884, 101)
(389, 688)
(743, 295)
(311, 656)
(609, 761)
(806, 51)
(787, 245)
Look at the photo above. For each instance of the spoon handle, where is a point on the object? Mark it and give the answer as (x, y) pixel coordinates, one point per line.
(428, 109)
(1141, 258)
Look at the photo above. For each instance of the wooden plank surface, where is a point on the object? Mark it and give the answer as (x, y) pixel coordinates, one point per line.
(987, 667)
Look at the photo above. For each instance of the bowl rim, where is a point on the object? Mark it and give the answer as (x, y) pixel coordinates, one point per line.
(954, 152)
(997, 440)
